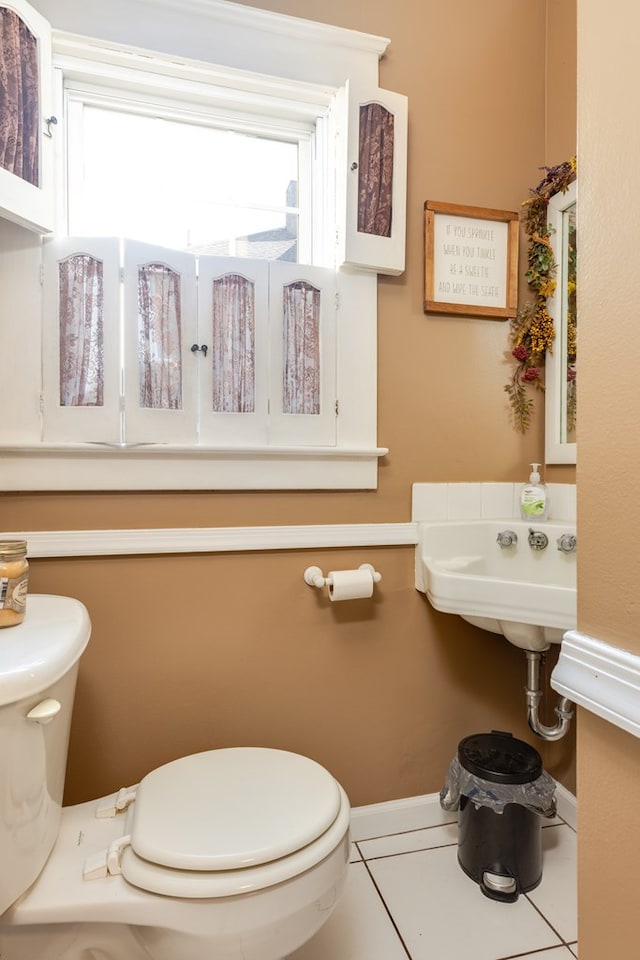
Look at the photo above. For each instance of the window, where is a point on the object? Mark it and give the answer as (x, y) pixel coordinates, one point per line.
(187, 180)
(210, 291)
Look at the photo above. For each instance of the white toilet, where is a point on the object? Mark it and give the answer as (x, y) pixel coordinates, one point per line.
(233, 854)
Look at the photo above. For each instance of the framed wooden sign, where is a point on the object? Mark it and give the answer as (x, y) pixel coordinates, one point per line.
(471, 260)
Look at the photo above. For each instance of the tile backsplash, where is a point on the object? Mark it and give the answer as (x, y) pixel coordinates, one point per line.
(485, 501)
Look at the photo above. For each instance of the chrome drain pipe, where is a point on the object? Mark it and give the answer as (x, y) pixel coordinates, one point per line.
(564, 710)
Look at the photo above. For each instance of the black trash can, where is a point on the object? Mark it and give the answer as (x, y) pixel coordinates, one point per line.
(500, 846)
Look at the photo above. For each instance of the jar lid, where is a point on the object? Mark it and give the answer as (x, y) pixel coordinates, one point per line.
(13, 548)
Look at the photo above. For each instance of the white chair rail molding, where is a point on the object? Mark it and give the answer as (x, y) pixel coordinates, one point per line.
(601, 678)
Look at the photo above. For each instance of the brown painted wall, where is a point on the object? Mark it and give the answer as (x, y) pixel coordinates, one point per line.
(246, 653)
(561, 81)
(609, 444)
(195, 652)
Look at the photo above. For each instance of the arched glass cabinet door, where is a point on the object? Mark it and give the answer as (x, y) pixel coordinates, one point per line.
(27, 123)
(561, 365)
(372, 185)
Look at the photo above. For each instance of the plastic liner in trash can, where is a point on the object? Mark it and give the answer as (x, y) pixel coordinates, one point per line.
(501, 792)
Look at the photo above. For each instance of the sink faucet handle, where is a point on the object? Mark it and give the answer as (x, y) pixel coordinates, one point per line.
(537, 539)
(507, 538)
(567, 543)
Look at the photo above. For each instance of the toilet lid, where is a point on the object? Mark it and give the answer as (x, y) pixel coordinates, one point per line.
(232, 808)
(330, 853)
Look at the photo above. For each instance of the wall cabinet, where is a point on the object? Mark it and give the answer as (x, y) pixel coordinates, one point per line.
(374, 180)
(27, 127)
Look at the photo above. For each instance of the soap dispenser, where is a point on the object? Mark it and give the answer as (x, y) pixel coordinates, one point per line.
(534, 502)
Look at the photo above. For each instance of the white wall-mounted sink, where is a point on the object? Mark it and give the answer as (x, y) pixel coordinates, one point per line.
(527, 595)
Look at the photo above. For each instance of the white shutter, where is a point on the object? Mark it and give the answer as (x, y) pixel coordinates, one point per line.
(234, 372)
(32, 205)
(302, 389)
(169, 416)
(98, 420)
(360, 244)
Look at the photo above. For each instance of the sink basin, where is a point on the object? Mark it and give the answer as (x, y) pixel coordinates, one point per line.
(527, 595)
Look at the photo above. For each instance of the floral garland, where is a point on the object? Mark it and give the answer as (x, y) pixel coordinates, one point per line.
(531, 331)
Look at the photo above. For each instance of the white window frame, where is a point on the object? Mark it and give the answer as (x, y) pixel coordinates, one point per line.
(319, 64)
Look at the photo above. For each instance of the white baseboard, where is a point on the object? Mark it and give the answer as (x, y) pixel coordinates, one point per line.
(567, 806)
(398, 816)
(418, 813)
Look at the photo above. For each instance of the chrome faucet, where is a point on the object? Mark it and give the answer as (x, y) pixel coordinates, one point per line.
(537, 539)
(567, 543)
(507, 538)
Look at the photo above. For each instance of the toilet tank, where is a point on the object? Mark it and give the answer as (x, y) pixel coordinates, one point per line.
(38, 670)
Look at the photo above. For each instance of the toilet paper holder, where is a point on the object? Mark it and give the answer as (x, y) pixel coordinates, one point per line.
(316, 578)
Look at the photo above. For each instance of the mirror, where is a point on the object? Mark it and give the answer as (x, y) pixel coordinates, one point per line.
(560, 366)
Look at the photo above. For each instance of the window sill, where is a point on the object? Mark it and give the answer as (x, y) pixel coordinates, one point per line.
(162, 467)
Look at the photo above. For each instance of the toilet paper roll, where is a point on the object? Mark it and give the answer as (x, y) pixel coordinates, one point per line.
(350, 584)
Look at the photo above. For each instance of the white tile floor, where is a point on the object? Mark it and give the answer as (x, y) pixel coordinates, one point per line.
(407, 897)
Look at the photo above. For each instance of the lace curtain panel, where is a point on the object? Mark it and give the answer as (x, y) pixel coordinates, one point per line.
(81, 332)
(19, 108)
(159, 338)
(375, 170)
(233, 338)
(301, 345)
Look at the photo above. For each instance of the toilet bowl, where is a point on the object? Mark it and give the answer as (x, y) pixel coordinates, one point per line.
(230, 854)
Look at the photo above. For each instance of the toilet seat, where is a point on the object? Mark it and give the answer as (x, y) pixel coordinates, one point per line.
(230, 821)
(225, 809)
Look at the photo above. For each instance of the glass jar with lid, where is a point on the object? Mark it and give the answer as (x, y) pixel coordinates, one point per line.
(14, 578)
